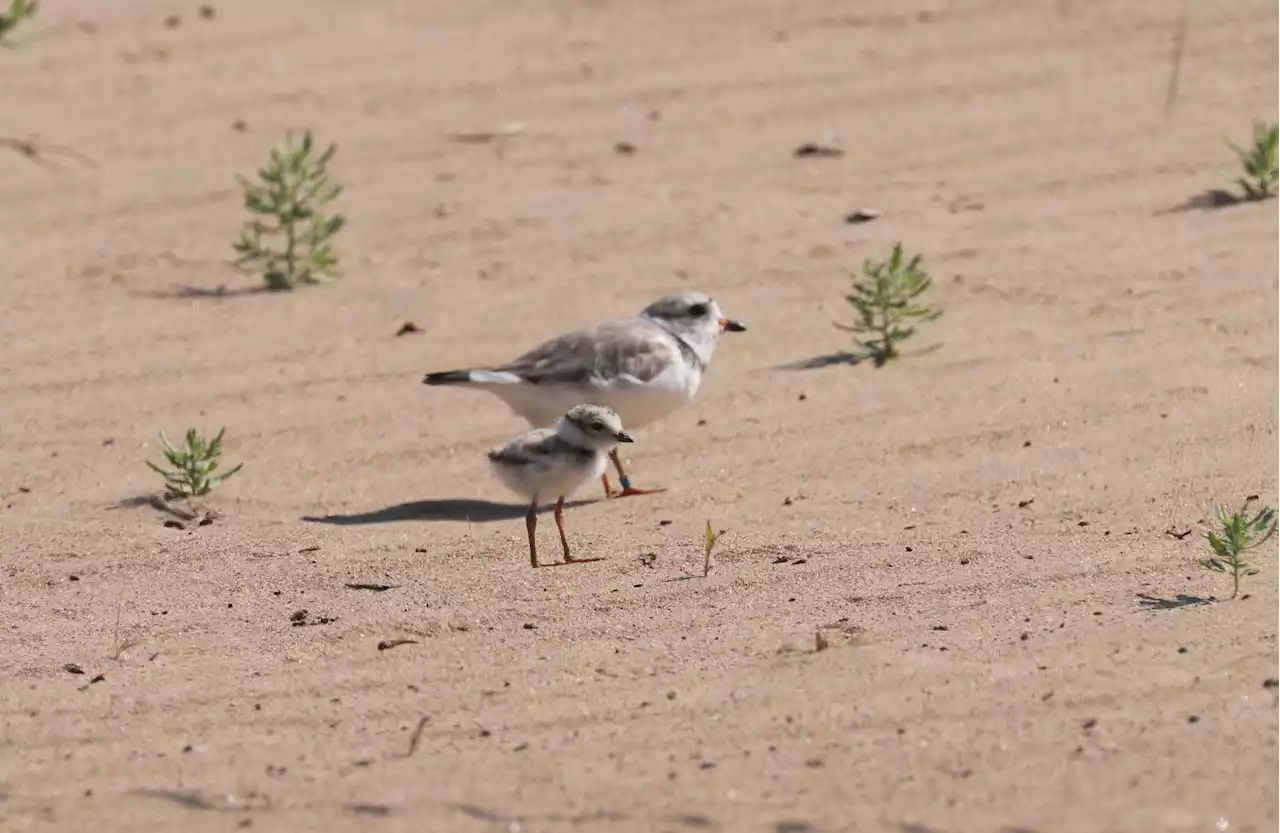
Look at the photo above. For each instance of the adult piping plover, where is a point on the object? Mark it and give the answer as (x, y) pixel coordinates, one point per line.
(643, 367)
(548, 464)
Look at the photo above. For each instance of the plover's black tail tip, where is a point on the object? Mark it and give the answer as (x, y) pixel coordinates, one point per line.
(448, 377)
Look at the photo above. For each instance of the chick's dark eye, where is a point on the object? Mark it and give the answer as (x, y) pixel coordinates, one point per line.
(597, 426)
(698, 310)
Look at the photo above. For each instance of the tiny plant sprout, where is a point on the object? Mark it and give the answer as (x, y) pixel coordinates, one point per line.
(18, 11)
(709, 539)
(1239, 534)
(288, 203)
(884, 298)
(193, 466)
(1259, 161)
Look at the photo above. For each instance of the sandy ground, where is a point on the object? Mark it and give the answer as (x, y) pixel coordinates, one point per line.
(1019, 640)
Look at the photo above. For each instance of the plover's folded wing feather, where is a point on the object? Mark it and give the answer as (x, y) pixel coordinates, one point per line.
(632, 348)
(532, 449)
(539, 449)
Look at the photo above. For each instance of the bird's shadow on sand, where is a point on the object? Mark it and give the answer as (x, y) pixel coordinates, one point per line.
(446, 509)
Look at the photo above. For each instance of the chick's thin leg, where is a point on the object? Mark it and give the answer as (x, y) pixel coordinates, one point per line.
(564, 541)
(531, 523)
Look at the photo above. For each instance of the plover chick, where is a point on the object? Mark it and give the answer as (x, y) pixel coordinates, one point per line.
(643, 367)
(546, 465)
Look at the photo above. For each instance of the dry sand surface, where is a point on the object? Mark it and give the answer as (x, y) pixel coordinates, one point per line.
(985, 529)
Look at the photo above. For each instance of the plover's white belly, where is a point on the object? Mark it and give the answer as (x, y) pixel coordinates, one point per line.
(637, 403)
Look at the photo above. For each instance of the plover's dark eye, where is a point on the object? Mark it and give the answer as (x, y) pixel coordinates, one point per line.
(597, 426)
(698, 310)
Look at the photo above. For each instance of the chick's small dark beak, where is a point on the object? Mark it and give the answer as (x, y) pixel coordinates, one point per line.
(728, 325)
(624, 437)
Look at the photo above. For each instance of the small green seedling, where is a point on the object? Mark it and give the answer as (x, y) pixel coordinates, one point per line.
(709, 540)
(194, 466)
(1259, 161)
(19, 10)
(289, 202)
(1239, 534)
(884, 298)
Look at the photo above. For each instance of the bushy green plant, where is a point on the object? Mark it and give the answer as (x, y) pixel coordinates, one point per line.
(884, 298)
(1259, 161)
(19, 10)
(193, 466)
(289, 203)
(1239, 534)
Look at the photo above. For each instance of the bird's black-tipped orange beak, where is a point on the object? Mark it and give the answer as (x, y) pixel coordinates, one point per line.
(624, 437)
(728, 325)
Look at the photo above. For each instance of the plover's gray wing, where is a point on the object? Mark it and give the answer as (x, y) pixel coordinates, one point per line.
(632, 347)
(541, 462)
(534, 450)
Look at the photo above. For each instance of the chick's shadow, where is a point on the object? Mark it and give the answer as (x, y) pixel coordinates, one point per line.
(446, 509)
